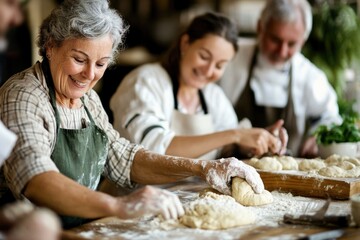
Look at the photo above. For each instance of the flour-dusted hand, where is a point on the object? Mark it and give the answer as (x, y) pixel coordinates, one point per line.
(219, 174)
(151, 200)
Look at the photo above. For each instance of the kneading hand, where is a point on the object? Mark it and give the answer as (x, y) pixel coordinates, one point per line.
(220, 172)
(279, 131)
(257, 141)
(151, 200)
(309, 148)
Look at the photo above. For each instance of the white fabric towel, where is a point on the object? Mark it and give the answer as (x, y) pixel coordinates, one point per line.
(7, 142)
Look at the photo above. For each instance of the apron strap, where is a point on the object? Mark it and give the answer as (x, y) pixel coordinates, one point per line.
(284, 112)
(87, 111)
(201, 96)
(49, 81)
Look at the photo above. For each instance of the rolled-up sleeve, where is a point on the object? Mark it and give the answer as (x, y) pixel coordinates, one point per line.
(26, 110)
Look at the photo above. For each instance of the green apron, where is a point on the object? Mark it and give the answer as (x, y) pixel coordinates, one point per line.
(79, 154)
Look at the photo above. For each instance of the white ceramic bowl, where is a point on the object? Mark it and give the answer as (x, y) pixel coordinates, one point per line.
(349, 149)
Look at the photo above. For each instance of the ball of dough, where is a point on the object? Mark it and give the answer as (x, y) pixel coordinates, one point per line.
(332, 160)
(311, 164)
(288, 163)
(332, 171)
(269, 164)
(346, 165)
(252, 161)
(354, 161)
(244, 194)
(216, 212)
(353, 173)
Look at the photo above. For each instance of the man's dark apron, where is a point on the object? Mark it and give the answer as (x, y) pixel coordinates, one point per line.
(261, 116)
(79, 154)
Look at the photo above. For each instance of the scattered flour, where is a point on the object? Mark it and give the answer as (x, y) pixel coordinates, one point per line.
(149, 227)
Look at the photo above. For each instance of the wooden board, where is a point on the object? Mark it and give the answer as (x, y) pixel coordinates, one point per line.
(303, 184)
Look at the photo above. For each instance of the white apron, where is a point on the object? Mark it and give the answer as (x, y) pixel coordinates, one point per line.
(193, 124)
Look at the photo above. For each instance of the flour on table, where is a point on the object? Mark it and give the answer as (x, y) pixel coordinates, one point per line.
(243, 193)
(151, 227)
(214, 211)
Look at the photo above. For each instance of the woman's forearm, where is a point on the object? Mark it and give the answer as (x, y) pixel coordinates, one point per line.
(196, 146)
(66, 197)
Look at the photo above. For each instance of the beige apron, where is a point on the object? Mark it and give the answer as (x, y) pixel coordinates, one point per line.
(193, 124)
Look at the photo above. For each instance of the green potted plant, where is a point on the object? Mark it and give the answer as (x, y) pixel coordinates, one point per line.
(339, 139)
(333, 44)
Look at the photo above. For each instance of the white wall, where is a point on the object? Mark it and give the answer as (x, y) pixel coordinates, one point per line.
(245, 13)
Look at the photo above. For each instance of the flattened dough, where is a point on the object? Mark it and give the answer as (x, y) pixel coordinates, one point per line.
(243, 193)
(214, 211)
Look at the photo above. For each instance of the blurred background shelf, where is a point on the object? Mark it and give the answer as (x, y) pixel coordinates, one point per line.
(154, 25)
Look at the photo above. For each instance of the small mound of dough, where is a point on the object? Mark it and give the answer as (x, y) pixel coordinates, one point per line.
(214, 211)
(353, 173)
(332, 171)
(268, 163)
(346, 165)
(343, 162)
(288, 163)
(311, 164)
(244, 194)
(332, 160)
(276, 163)
(354, 161)
(253, 161)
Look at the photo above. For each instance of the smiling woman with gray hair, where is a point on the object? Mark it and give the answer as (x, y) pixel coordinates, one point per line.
(65, 141)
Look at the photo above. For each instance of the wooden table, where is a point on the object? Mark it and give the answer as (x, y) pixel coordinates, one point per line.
(268, 226)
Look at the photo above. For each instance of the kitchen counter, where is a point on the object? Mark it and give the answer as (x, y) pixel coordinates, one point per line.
(269, 223)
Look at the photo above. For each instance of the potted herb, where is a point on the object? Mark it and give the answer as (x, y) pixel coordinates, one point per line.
(333, 44)
(338, 139)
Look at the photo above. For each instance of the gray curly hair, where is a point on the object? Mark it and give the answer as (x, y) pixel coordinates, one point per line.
(287, 10)
(81, 19)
